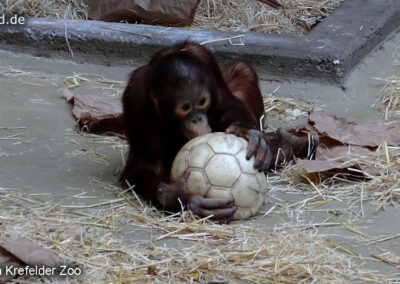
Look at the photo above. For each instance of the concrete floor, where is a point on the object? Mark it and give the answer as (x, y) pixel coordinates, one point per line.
(356, 94)
(46, 155)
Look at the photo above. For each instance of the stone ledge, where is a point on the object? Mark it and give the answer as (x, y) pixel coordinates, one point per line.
(328, 52)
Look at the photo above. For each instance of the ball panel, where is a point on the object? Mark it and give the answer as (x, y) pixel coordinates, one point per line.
(244, 144)
(222, 170)
(242, 213)
(225, 143)
(219, 192)
(245, 191)
(259, 203)
(197, 182)
(200, 155)
(245, 165)
(262, 181)
(179, 165)
(222, 174)
(198, 140)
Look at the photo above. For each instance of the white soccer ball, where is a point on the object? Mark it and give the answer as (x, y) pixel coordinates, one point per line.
(219, 169)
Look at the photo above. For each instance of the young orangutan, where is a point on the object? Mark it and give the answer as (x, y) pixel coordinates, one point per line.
(180, 94)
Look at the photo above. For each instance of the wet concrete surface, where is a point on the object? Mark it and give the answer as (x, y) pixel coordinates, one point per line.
(41, 151)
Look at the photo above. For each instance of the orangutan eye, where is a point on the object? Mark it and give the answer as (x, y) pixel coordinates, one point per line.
(183, 109)
(203, 102)
(186, 107)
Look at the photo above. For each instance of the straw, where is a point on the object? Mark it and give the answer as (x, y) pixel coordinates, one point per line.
(165, 249)
(254, 16)
(295, 17)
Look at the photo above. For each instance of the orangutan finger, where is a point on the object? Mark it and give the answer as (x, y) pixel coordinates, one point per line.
(260, 155)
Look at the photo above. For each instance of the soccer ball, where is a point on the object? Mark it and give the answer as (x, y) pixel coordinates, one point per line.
(219, 169)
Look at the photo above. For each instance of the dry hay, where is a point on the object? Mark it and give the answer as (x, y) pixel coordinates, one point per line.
(389, 98)
(254, 16)
(385, 188)
(180, 248)
(288, 110)
(221, 15)
(59, 9)
(108, 87)
(168, 249)
(382, 188)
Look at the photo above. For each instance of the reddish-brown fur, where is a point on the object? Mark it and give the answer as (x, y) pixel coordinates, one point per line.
(242, 81)
(154, 140)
